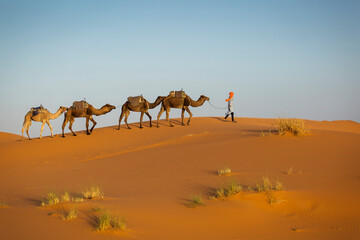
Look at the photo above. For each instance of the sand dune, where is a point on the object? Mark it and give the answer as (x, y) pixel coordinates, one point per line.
(149, 174)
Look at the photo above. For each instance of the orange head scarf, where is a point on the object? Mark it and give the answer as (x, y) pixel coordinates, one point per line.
(231, 94)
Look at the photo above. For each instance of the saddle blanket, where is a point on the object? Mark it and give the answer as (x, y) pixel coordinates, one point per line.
(135, 101)
(37, 110)
(177, 94)
(80, 105)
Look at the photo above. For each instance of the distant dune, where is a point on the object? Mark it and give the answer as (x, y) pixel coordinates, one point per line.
(149, 175)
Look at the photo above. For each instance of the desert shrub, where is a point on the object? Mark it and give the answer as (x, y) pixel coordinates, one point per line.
(271, 199)
(292, 126)
(265, 185)
(118, 223)
(53, 198)
(108, 221)
(194, 201)
(93, 192)
(224, 171)
(227, 190)
(71, 212)
(104, 221)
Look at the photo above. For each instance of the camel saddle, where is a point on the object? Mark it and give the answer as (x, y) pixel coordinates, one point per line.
(80, 105)
(37, 110)
(136, 101)
(177, 94)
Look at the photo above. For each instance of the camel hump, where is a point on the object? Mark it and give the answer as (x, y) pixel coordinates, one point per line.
(80, 105)
(136, 101)
(37, 110)
(177, 94)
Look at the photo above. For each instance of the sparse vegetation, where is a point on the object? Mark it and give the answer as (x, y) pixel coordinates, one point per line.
(71, 212)
(225, 170)
(107, 221)
(291, 171)
(104, 222)
(271, 199)
(52, 198)
(292, 126)
(266, 185)
(194, 201)
(227, 190)
(118, 223)
(3, 204)
(93, 192)
(265, 133)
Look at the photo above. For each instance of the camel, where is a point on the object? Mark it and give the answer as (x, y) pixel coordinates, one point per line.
(40, 115)
(142, 107)
(183, 103)
(87, 113)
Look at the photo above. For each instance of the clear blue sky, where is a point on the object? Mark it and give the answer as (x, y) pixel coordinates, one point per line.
(280, 58)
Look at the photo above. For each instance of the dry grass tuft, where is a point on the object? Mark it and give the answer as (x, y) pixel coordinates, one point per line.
(118, 223)
(194, 201)
(265, 185)
(265, 133)
(271, 199)
(104, 222)
(225, 170)
(108, 221)
(71, 212)
(54, 198)
(292, 126)
(227, 190)
(93, 192)
(291, 171)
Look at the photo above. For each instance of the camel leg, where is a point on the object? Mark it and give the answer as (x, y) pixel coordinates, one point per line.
(94, 123)
(182, 117)
(27, 129)
(147, 114)
(70, 125)
(190, 115)
(87, 125)
(42, 128)
(51, 129)
(120, 118)
(159, 115)
(126, 117)
(23, 128)
(66, 120)
(141, 118)
(167, 117)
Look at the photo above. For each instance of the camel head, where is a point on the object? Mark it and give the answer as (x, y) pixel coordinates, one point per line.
(205, 98)
(109, 107)
(63, 109)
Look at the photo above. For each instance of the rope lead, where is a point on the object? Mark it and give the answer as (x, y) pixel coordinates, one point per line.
(216, 107)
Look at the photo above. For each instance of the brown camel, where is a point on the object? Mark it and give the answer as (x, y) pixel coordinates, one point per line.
(183, 103)
(142, 107)
(40, 115)
(87, 113)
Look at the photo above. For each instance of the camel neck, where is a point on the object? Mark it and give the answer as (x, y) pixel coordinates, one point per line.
(197, 103)
(155, 104)
(55, 115)
(100, 111)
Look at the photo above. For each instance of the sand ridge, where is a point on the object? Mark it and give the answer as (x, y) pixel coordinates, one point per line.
(147, 175)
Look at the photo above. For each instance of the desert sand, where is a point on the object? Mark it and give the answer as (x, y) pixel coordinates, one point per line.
(148, 175)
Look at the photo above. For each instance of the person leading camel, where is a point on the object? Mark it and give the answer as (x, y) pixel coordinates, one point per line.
(230, 107)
